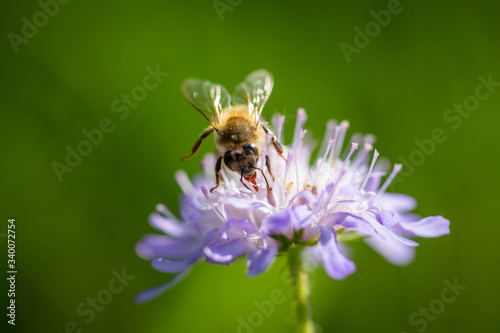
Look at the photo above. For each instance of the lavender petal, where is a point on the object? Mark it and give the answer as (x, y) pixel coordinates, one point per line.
(432, 226)
(258, 261)
(336, 264)
(226, 251)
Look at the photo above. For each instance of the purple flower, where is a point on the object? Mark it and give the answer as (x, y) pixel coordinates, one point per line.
(316, 204)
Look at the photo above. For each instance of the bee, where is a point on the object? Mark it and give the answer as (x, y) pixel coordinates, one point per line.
(235, 122)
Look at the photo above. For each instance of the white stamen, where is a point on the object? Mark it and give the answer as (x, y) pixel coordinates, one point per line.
(297, 149)
(297, 144)
(207, 164)
(278, 126)
(356, 137)
(330, 130)
(354, 147)
(264, 151)
(184, 183)
(220, 211)
(214, 204)
(360, 158)
(374, 159)
(344, 125)
(205, 194)
(370, 138)
(299, 124)
(342, 171)
(270, 198)
(302, 134)
(226, 180)
(269, 138)
(332, 152)
(388, 181)
(262, 162)
(289, 160)
(297, 180)
(165, 211)
(331, 142)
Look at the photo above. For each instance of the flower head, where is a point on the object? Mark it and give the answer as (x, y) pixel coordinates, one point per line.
(319, 205)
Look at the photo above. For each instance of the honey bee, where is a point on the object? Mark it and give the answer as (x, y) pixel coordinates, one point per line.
(239, 133)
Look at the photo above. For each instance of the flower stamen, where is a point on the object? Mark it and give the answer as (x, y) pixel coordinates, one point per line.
(184, 183)
(368, 175)
(344, 125)
(301, 120)
(367, 147)
(329, 132)
(397, 168)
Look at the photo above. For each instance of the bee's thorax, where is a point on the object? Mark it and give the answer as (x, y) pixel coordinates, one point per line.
(236, 131)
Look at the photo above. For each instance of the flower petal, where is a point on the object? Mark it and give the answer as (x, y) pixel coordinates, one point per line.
(243, 208)
(392, 249)
(350, 221)
(397, 201)
(432, 226)
(388, 218)
(212, 236)
(235, 228)
(278, 224)
(305, 197)
(258, 261)
(336, 264)
(153, 292)
(171, 266)
(325, 197)
(169, 226)
(402, 240)
(302, 216)
(160, 246)
(374, 183)
(225, 252)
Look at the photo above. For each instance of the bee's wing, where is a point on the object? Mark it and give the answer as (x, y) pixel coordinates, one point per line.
(208, 98)
(254, 92)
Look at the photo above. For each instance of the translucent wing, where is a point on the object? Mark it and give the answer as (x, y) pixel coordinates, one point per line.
(208, 98)
(254, 92)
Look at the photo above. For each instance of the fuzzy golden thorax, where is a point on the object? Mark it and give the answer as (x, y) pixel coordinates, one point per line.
(237, 129)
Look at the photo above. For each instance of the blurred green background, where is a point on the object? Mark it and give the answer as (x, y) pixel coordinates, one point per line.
(72, 233)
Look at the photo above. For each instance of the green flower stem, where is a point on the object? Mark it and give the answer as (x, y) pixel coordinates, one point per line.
(300, 292)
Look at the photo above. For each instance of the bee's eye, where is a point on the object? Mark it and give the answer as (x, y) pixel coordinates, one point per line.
(250, 148)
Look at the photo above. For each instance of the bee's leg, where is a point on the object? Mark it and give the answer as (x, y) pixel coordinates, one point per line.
(218, 166)
(265, 178)
(268, 165)
(241, 180)
(263, 175)
(276, 144)
(197, 145)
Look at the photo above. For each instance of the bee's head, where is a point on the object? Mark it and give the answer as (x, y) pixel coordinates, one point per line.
(243, 159)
